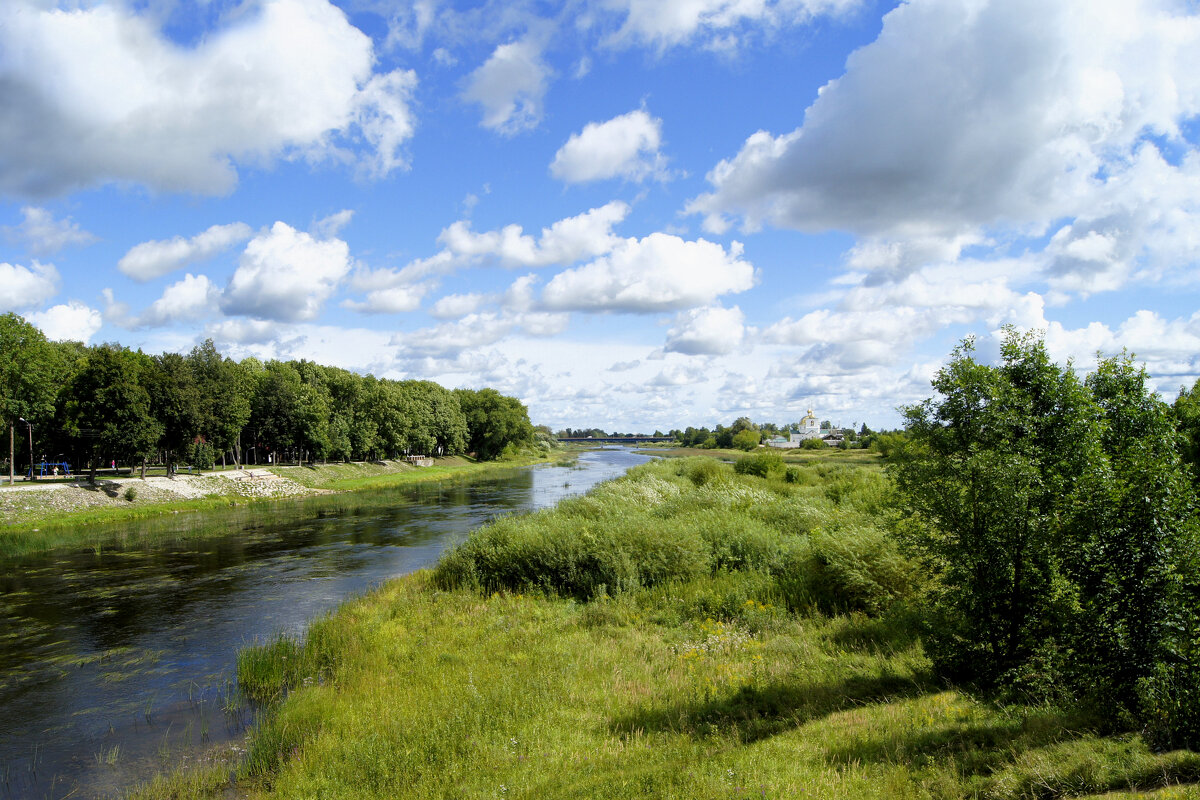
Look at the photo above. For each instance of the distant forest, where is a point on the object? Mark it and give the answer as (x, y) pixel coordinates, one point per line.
(65, 401)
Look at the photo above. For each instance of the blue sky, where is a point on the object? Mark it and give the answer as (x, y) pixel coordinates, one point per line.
(631, 214)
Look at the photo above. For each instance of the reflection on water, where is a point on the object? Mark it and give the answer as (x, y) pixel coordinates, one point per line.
(117, 661)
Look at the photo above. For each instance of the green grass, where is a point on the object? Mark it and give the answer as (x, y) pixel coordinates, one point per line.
(830, 455)
(376, 475)
(678, 633)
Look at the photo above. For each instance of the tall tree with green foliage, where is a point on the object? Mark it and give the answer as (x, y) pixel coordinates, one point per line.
(1187, 420)
(109, 406)
(494, 421)
(988, 473)
(176, 403)
(1130, 548)
(1057, 521)
(29, 377)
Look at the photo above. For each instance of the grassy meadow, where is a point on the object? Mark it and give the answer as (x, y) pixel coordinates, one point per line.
(683, 632)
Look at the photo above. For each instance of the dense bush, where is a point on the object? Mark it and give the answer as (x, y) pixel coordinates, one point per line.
(746, 440)
(702, 471)
(201, 455)
(556, 554)
(848, 569)
(758, 464)
(1059, 523)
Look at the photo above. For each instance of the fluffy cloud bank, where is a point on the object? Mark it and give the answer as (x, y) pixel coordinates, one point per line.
(96, 93)
(22, 287)
(660, 272)
(1000, 114)
(285, 275)
(71, 321)
(707, 331)
(44, 235)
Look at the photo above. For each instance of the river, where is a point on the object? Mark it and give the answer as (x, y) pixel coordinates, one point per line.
(117, 661)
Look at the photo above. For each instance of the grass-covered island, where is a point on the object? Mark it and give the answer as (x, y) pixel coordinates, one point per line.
(687, 631)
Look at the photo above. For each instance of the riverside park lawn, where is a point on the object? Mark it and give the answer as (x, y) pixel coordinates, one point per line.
(682, 632)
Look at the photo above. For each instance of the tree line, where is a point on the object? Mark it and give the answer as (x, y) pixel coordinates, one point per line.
(105, 403)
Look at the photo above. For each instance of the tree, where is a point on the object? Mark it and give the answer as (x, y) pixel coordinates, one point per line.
(274, 408)
(109, 406)
(989, 473)
(1187, 419)
(1057, 519)
(1131, 546)
(176, 404)
(494, 421)
(746, 440)
(29, 375)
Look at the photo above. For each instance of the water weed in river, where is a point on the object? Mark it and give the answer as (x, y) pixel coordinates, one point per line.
(663, 637)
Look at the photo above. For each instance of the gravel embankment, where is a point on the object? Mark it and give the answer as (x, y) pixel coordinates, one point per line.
(25, 502)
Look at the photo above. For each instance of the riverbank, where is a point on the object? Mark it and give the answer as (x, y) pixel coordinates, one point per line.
(684, 632)
(43, 514)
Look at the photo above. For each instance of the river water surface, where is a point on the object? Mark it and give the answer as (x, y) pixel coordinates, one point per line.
(118, 661)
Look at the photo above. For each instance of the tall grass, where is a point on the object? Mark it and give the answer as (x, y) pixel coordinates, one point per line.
(684, 632)
(676, 521)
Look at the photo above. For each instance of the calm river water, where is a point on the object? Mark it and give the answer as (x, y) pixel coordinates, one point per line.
(118, 661)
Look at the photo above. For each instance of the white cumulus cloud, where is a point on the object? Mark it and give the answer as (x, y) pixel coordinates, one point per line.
(22, 287)
(998, 113)
(286, 275)
(97, 93)
(660, 272)
(509, 87)
(73, 321)
(716, 23)
(626, 146)
(191, 298)
(707, 331)
(566, 241)
(155, 258)
(456, 306)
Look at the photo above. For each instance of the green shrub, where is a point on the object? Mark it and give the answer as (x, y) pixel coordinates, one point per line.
(758, 464)
(201, 455)
(853, 569)
(792, 475)
(735, 541)
(702, 471)
(131, 493)
(812, 444)
(558, 554)
(746, 440)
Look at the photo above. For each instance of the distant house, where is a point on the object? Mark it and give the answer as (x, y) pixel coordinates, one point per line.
(809, 429)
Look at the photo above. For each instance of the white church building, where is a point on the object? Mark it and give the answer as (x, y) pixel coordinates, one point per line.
(810, 428)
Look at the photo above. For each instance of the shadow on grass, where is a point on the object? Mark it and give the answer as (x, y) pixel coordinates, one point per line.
(1039, 754)
(878, 635)
(756, 713)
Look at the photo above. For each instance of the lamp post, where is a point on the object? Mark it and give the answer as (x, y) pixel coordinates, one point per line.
(29, 425)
